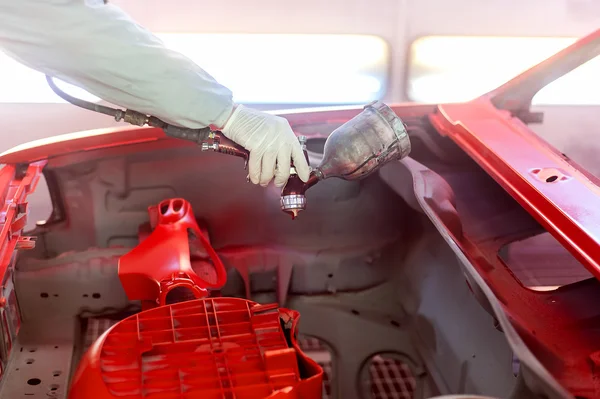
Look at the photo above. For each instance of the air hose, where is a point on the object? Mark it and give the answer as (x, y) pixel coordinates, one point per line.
(134, 117)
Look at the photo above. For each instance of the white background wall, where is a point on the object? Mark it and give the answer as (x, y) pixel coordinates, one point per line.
(397, 21)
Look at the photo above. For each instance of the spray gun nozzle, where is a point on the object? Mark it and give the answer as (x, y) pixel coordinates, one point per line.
(293, 200)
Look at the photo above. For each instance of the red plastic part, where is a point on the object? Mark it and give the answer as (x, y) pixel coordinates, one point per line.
(163, 260)
(208, 348)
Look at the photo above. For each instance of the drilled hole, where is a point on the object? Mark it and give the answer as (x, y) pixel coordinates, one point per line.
(177, 205)
(85, 295)
(395, 323)
(32, 350)
(56, 373)
(29, 361)
(56, 347)
(355, 312)
(551, 179)
(34, 381)
(44, 295)
(95, 295)
(55, 295)
(330, 275)
(54, 387)
(164, 207)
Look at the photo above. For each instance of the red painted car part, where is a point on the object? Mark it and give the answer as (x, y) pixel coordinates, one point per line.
(162, 262)
(565, 202)
(16, 183)
(208, 348)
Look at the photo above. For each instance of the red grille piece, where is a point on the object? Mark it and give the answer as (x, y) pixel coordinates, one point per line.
(221, 348)
(163, 260)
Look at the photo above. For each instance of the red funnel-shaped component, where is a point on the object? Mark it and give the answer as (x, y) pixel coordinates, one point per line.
(162, 263)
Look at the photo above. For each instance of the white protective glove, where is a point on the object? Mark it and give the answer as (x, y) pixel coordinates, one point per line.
(272, 145)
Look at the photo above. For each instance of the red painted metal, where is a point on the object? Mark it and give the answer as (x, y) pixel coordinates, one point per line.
(162, 262)
(207, 348)
(85, 142)
(16, 183)
(566, 202)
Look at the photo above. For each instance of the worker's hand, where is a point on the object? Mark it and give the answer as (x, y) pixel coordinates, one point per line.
(272, 145)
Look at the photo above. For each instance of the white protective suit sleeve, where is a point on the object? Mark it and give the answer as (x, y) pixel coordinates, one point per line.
(98, 47)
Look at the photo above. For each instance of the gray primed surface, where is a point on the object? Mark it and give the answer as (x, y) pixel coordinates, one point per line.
(457, 338)
(450, 338)
(73, 282)
(44, 351)
(343, 231)
(121, 190)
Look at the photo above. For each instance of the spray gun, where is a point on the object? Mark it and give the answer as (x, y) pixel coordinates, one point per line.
(353, 151)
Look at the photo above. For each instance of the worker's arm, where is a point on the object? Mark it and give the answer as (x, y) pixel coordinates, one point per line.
(98, 47)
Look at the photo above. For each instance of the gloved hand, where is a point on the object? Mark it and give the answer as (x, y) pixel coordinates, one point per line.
(272, 145)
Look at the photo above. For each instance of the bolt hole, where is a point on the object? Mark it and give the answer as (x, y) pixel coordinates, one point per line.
(29, 361)
(34, 381)
(44, 295)
(395, 323)
(355, 312)
(164, 207)
(177, 205)
(95, 295)
(551, 179)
